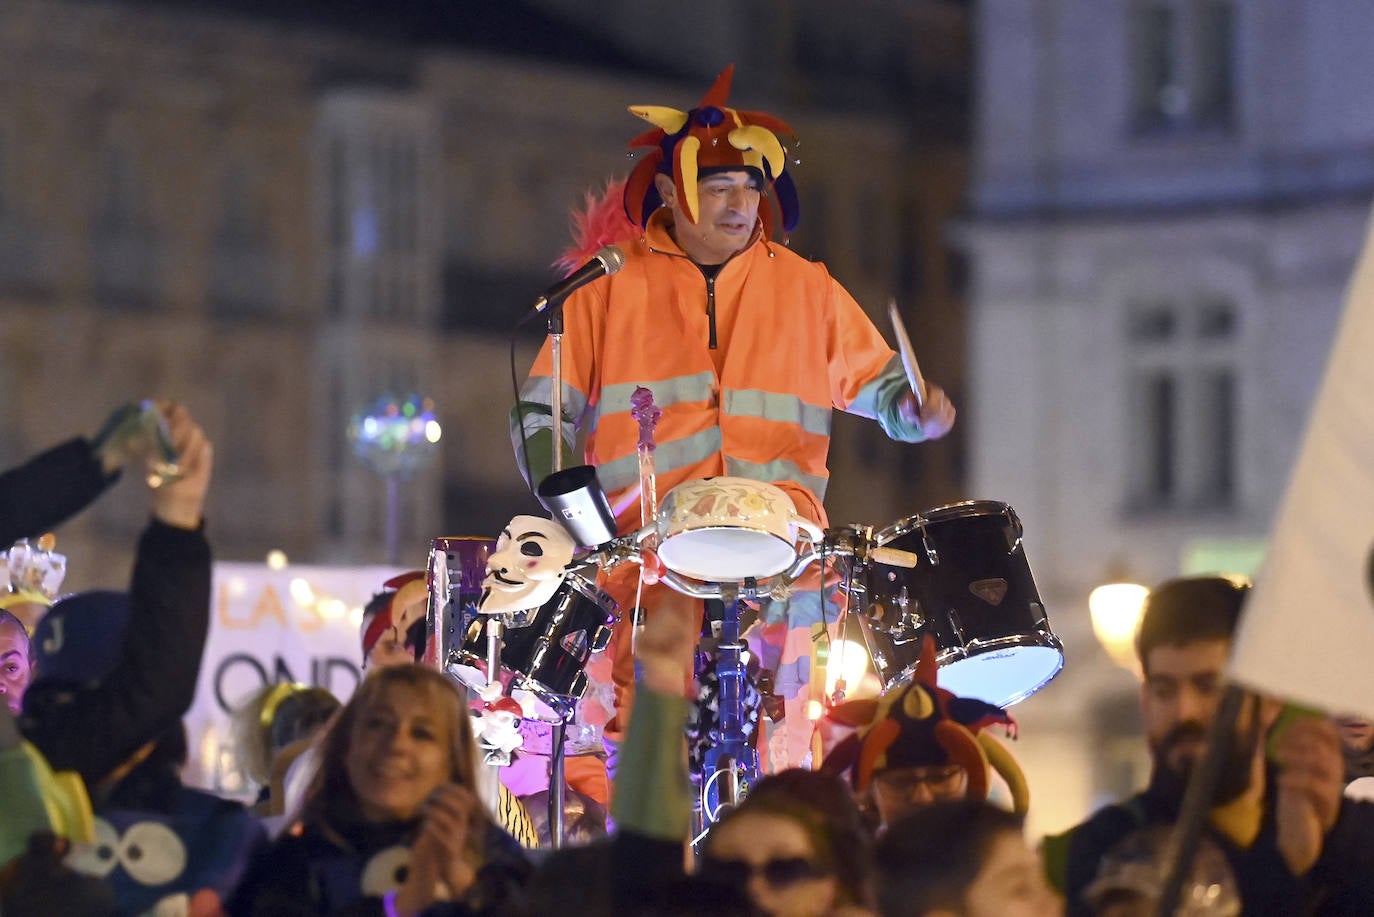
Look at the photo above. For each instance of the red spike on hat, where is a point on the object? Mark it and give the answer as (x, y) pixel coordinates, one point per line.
(720, 89)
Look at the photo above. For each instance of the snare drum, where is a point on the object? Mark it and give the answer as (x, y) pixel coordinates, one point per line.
(726, 530)
(971, 589)
(544, 651)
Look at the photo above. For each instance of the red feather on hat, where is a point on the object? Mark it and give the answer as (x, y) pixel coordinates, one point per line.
(601, 221)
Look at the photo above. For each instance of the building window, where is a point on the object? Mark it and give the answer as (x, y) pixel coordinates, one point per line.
(124, 247)
(243, 278)
(1183, 63)
(380, 168)
(22, 267)
(1184, 359)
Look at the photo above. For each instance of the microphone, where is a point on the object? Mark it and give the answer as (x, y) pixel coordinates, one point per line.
(607, 261)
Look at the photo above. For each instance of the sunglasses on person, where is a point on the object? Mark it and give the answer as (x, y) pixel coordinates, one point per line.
(779, 873)
(905, 781)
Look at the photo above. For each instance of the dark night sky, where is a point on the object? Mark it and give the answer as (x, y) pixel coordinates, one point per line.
(499, 26)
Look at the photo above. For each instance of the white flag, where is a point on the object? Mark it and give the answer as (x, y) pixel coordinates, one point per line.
(1308, 629)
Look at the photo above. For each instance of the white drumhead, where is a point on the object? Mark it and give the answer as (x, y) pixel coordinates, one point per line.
(1003, 676)
(726, 555)
(469, 675)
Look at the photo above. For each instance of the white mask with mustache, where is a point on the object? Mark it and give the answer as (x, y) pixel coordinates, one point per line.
(527, 566)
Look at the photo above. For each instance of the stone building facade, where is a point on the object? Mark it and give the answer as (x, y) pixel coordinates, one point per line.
(1168, 198)
(277, 220)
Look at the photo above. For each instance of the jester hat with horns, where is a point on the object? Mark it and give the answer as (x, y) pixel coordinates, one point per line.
(922, 724)
(709, 138)
(397, 605)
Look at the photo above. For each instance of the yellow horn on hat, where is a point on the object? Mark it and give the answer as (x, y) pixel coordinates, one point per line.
(1005, 765)
(685, 169)
(670, 120)
(753, 137)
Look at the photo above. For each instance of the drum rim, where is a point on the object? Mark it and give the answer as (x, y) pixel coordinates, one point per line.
(961, 510)
(589, 590)
(1037, 639)
(445, 540)
(563, 705)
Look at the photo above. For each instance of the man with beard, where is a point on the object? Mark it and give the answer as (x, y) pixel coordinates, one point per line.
(1294, 845)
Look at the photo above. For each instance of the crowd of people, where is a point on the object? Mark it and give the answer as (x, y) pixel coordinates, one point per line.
(899, 805)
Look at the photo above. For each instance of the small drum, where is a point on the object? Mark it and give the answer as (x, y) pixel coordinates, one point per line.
(726, 530)
(544, 651)
(971, 589)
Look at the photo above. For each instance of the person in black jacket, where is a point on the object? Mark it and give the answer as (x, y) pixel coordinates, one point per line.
(105, 685)
(114, 673)
(1277, 814)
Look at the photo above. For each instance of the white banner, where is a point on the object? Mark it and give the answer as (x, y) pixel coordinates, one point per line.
(294, 624)
(1308, 629)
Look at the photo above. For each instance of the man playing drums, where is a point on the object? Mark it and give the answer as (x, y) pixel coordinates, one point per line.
(746, 346)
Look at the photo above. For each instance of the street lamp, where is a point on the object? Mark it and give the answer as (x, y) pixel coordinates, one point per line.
(1115, 609)
(395, 438)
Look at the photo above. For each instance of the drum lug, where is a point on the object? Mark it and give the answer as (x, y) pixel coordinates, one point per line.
(957, 626)
(1014, 530)
(909, 620)
(601, 638)
(579, 685)
(932, 553)
(541, 649)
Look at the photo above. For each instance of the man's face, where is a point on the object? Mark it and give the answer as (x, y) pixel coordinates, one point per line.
(1183, 686)
(390, 649)
(728, 205)
(14, 665)
(527, 566)
(1011, 883)
(900, 791)
(1357, 734)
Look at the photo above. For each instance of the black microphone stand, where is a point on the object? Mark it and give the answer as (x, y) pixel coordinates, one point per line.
(559, 730)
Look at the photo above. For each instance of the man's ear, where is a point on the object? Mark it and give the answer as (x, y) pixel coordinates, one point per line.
(666, 189)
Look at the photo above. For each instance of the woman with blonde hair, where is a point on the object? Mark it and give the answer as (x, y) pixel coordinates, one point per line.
(271, 727)
(391, 823)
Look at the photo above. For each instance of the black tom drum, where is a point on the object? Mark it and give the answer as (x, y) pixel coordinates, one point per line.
(972, 590)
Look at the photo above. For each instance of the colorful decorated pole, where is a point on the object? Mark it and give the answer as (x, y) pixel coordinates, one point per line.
(643, 409)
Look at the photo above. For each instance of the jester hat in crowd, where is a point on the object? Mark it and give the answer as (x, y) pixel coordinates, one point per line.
(391, 608)
(923, 725)
(709, 138)
(31, 572)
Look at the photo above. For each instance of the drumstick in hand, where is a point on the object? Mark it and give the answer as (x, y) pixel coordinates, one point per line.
(913, 369)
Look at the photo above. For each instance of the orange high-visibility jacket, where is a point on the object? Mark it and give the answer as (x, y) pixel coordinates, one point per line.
(791, 344)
